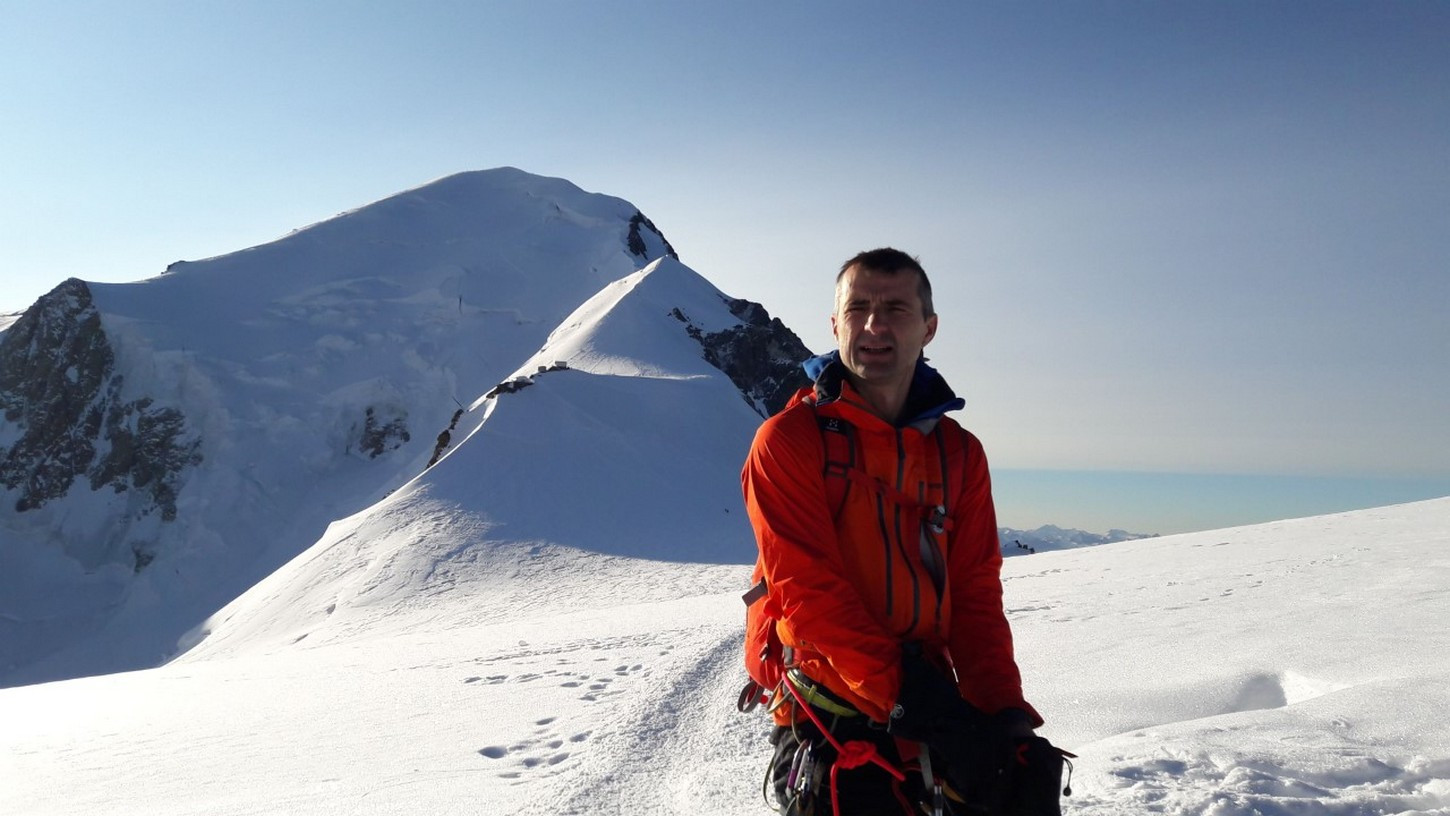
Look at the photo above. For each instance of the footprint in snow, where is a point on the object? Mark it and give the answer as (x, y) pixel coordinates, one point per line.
(492, 680)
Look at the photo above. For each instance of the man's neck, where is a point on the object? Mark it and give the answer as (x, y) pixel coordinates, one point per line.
(886, 402)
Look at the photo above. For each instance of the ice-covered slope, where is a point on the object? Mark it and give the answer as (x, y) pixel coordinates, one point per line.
(629, 452)
(166, 444)
(1295, 667)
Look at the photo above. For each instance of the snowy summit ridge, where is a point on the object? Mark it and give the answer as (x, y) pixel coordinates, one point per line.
(166, 444)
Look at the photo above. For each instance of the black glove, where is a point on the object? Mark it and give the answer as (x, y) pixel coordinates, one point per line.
(995, 763)
(928, 704)
(1035, 778)
(974, 746)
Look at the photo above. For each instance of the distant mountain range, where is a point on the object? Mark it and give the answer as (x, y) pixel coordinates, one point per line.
(1049, 537)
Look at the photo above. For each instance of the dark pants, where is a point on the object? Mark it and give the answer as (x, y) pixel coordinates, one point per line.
(867, 790)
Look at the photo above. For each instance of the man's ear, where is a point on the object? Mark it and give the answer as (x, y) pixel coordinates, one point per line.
(833, 326)
(930, 330)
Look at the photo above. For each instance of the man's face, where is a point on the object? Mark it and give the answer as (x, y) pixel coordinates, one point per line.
(879, 326)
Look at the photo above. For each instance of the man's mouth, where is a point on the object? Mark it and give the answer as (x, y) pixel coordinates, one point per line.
(871, 350)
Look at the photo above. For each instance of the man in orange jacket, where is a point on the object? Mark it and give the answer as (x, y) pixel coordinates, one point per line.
(878, 548)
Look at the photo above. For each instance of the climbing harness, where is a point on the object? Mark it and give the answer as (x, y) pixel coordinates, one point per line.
(851, 754)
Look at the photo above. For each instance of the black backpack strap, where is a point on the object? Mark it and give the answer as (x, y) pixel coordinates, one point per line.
(756, 593)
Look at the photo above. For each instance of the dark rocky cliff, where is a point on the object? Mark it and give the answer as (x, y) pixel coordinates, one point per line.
(762, 356)
(636, 242)
(61, 395)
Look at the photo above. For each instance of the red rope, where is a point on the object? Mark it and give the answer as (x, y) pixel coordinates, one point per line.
(852, 754)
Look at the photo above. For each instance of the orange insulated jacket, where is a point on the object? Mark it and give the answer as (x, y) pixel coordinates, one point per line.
(850, 584)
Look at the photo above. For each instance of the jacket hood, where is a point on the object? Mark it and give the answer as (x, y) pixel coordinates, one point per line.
(929, 397)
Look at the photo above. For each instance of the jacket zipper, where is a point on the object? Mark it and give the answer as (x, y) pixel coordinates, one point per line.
(886, 545)
(901, 545)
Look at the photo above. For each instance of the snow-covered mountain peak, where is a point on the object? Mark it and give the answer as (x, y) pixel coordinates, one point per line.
(476, 217)
(497, 245)
(622, 443)
(632, 326)
(625, 329)
(219, 416)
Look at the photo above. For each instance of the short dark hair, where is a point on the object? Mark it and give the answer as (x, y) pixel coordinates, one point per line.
(889, 261)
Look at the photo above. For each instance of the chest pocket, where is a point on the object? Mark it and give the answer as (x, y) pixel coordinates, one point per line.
(843, 471)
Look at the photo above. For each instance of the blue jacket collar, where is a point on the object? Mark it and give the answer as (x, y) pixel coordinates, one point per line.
(929, 398)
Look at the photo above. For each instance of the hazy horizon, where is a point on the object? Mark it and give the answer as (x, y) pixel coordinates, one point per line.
(1172, 503)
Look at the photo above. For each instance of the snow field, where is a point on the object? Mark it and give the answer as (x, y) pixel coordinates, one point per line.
(519, 691)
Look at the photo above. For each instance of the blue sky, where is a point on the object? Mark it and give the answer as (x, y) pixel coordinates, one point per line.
(1167, 238)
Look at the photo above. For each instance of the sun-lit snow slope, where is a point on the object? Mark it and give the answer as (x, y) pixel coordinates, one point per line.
(633, 326)
(1290, 668)
(629, 452)
(560, 711)
(316, 372)
(1294, 667)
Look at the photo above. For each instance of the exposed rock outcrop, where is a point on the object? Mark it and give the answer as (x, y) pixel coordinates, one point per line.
(636, 240)
(761, 356)
(384, 429)
(62, 398)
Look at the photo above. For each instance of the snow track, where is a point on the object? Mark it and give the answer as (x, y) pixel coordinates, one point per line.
(680, 742)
